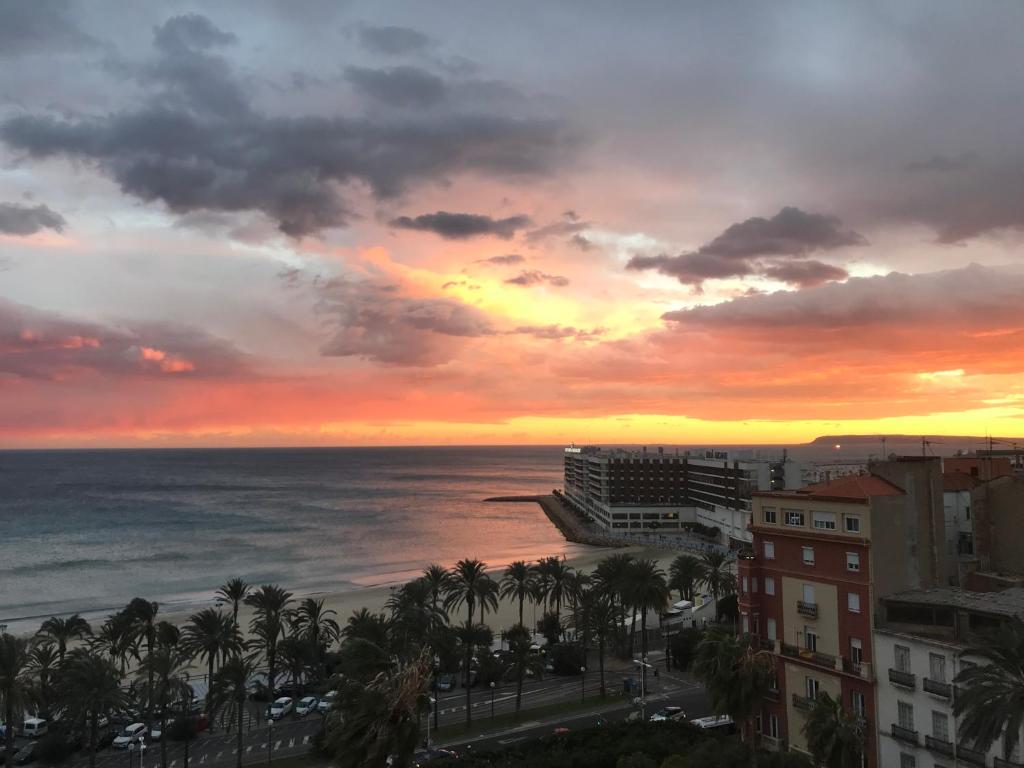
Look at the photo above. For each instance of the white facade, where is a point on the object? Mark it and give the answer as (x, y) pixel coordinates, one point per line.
(959, 526)
(826, 471)
(916, 725)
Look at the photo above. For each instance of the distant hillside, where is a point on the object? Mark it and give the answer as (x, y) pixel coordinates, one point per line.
(937, 445)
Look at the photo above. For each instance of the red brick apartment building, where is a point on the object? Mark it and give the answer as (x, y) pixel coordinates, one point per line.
(822, 557)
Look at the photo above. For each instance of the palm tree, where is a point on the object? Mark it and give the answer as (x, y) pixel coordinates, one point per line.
(270, 615)
(143, 620)
(736, 678)
(462, 588)
(168, 635)
(44, 662)
(229, 691)
(991, 698)
(415, 619)
(579, 594)
(835, 738)
(364, 625)
(62, 631)
(685, 573)
(611, 576)
(647, 589)
(317, 627)
(517, 583)
(15, 684)
(117, 639)
(717, 576)
(437, 578)
(210, 635)
(522, 659)
(91, 685)
(487, 596)
(602, 622)
(378, 724)
(234, 591)
(558, 588)
(164, 670)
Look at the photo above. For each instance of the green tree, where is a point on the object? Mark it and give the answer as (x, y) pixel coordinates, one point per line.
(647, 589)
(835, 738)
(44, 663)
(316, 626)
(378, 724)
(210, 636)
(15, 684)
(117, 639)
(517, 583)
(736, 677)
(143, 620)
(602, 622)
(270, 619)
(415, 618)
(463, 588)
(556, 574)
(487, 596)
(229, 689)
(436, 577)
(611, 576)
(717, 576)
(685, 573)
(991, 698)
(233, 592)
(63, 631)
(164, 670)
(90, 686)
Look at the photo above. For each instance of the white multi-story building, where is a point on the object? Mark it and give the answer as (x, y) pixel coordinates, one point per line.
(920, 646)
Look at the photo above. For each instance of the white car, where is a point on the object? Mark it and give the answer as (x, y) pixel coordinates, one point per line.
(132, 734)
(668, 713)
(280, 708)
(306, 705)
(326, 703)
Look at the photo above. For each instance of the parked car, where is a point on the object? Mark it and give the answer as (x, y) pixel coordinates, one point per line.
(157, 731)
(428, 755)
(130, 735)
(105, 737)
(26, 754)
(34, 727)
(326, 703)
(722, 723)
(668, 713)
(306, 705)
(445, 682)
(281, 707)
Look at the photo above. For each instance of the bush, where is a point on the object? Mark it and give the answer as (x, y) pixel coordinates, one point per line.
(684, 647)
(636, 760)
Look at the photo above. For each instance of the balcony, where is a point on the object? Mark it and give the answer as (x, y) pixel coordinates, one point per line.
(766, 644)
(939, 745)
(803, 703)
(968, 755)
(773, 694)
(936, 688)
(1000, 763)
(904, 734)
(905, 679)
(770, 743)
(810, 610)
(860, 668)
(814, 657)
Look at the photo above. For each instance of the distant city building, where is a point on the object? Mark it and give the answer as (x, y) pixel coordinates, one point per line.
(921, 643)
(645, 491)
(821, 559)
(826, 471)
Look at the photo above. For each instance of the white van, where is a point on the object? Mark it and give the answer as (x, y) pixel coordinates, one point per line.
(33, 728)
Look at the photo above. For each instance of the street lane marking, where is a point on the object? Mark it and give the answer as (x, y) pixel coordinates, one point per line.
(291, 743)
(277, 745)
(305, 739)
(248, 749)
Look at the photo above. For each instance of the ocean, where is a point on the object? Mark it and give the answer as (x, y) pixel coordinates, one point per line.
(86, 531)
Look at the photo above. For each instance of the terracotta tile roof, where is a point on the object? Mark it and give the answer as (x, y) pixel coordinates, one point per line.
(861, 487)
(958, 481)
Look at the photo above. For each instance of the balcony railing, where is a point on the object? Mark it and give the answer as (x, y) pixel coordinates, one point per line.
(904, 734)
(814, 657)
(766, 644)
(906, 679)
(941, 746)
(1000, 763)
(859, 668)
(810, 610)
(771, 743)
(803, 703)
(968, 755)
(937, 688)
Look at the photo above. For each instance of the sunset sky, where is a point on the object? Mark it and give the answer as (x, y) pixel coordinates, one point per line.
(323, 222)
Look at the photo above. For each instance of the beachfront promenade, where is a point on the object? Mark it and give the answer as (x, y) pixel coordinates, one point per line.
(580, 531)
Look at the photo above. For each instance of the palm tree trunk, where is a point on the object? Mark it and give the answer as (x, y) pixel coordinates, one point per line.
(522, 598)
(519, 687)
(209, 689)
(187, 740)
(240, 706)
(9, 733)
(600, 661)
(752, 742)
(469, 660)
(149, 683)
(632, 633)
(643, 632)
(163, 737)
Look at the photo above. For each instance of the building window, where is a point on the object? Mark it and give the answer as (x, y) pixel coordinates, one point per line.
(852, 524)
(853, 561)
(937, 667)
(770, 629)
(773, 726)
(907, 761)
(810, 639)
(746, 585)
(794, 517)
(811, 687)
(853, 602)
(768, 515)
(967, 512)
(769, 550)
(902, 657)
(753, 584)
(809, 594)
(769, 585)
(856, 651)
(808, 555)
(746, 623)
(906, 715)
(940, 725)
(825, 521)
(859, 703)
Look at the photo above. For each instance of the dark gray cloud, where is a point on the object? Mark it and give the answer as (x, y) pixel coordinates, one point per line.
(775, 248)
(391, 40)
(570, 225)
(397, 86)
(44, 27)
(376, 321)
(461, 226)
(35, 344)
(559, 332)
(503, 259)
(198, 144)
(531, 277)
(16, 219)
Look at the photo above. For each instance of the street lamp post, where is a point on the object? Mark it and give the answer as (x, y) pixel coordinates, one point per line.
(492, 700)
(583, 684)
(434, 702)
(644, 666)
(142, 752)
(270, 739)
(437, 661)
(131, 751)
